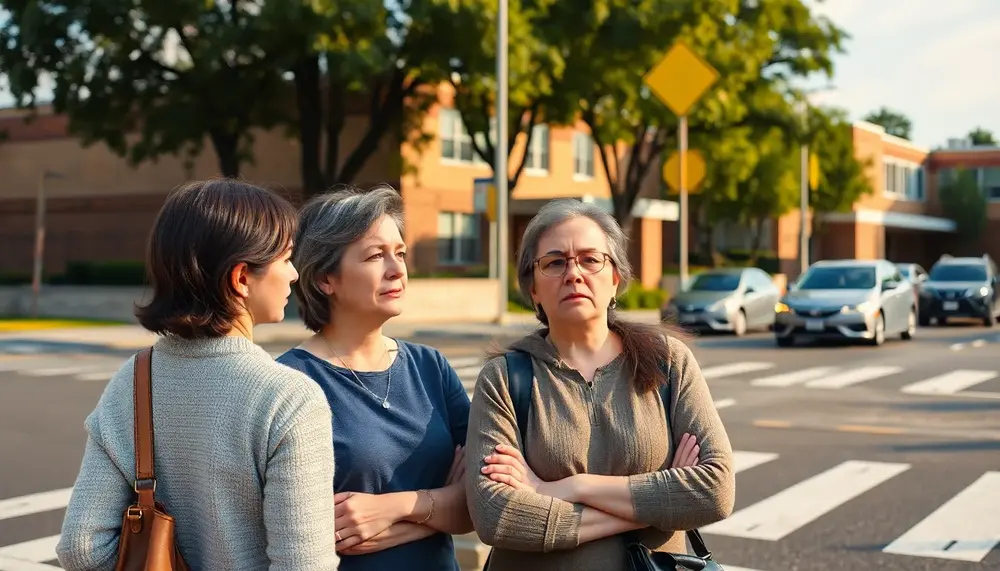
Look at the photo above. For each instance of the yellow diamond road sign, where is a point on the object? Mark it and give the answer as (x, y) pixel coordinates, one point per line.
(681, 78)
(695, 170)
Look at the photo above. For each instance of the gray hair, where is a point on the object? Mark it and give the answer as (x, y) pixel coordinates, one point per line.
(328, 224)
(555, 213)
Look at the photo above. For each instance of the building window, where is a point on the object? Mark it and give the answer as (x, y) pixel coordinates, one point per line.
(583, 155)
(456, 143)
(990, 183)
(458, 238)
(537, 158)
(903, 180)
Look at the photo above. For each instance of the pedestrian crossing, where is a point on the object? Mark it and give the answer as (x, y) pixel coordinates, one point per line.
(963, 525)
(760, 374)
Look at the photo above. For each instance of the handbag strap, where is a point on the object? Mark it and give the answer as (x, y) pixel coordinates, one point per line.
(520, 379)
(145, 476)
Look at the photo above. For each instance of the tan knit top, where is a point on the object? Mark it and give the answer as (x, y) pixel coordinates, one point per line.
(605, 428)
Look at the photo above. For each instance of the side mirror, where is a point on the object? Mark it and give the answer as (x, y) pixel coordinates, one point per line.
(749, 289)
(886, 286)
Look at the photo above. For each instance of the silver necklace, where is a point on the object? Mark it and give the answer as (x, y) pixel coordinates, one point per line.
(388, 383)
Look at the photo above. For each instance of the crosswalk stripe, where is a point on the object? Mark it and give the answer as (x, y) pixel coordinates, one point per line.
(12, 564)
(34, 503)
(720, 371)
(853, 377)
(459, 362)
(949, 383)
(792, 378)
(744, 460)
(95, 376)
(35, 551)
(470, 372)
(779, 515)
(965, 528)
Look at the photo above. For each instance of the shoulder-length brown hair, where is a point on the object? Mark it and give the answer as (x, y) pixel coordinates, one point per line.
(204, 230)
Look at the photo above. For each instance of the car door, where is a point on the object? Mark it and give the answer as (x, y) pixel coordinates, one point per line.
(769, 296)
(899, 297)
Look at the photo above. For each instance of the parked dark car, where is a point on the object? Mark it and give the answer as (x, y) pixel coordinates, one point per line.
(961, 288)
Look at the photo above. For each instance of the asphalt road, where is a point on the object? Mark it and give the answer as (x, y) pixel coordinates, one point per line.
(848, 457)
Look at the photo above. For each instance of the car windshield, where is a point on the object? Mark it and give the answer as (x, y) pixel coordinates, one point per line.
(845, 277)
(715, 282)
(959, 273)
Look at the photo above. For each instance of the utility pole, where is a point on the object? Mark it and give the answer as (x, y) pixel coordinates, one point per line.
(39, 248)
(500, 161)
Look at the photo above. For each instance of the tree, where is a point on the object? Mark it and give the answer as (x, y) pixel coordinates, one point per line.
(387, 55)
(980, 136)
(756, 46)
(894, 122)
(964, 202)
(171, 73)
(843, 178)
(534, 68)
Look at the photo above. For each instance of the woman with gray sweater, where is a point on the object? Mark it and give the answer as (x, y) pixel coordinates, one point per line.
(242, 444)
(598, 457)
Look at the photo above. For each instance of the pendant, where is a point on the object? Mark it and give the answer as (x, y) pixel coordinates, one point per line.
(385, 404)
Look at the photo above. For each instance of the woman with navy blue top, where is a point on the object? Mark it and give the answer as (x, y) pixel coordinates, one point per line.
(400, 412)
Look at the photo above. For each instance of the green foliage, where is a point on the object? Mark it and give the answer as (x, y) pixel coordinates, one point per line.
(964, 202)
(982, 137)
(894, 122)
(638, 297)
(843, 178)
(172, 73)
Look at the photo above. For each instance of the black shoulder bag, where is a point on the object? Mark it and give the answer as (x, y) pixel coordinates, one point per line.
(520, 379)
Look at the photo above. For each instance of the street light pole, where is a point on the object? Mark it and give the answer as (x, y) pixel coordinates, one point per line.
(500, 161)
(39, 248)
(804, 194)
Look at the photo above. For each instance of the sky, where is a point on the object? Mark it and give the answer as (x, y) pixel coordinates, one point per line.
(924, 58)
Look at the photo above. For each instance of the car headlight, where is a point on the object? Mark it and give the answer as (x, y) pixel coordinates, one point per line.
(982, 291)
(865, 307)
(781, 308)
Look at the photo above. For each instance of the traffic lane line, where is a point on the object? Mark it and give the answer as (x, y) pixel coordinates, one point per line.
(880, 430)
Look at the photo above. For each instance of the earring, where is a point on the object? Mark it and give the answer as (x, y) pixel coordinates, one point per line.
(613, 304)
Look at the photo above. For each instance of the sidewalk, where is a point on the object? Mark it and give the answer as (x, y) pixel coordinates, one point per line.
(130, 337)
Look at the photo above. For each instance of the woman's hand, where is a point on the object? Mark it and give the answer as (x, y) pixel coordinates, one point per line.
(397, 534)
(687, 452)
(507, 466)
(361, 517)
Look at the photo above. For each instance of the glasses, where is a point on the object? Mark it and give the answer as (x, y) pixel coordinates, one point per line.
(556, 265)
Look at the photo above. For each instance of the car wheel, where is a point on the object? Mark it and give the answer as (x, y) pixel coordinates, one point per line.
(740, 323)
(911, 325)
(989, 320)
(878, 338)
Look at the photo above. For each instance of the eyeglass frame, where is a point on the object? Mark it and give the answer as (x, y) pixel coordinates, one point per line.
(605, 258)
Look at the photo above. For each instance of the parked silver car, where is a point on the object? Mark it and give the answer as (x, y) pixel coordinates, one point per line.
(725, 299)
(847, 299)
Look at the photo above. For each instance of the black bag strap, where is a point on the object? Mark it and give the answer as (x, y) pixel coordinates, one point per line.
(520, 379)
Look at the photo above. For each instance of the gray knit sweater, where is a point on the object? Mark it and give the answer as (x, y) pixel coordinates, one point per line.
(244, 462)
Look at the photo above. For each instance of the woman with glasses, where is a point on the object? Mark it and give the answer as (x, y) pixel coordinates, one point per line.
(598, 457)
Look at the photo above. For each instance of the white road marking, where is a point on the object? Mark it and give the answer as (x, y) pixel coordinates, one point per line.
(949, 383)
(731, 369)
(853, 377)
(965, 528)
(724, 403)
(34, 503)
(793, 378)
(744, 460)
(792, 508)
(34, 551)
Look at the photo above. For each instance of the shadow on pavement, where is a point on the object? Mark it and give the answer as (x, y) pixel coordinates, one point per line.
(957, 406)
(34, 347)
(962, 446)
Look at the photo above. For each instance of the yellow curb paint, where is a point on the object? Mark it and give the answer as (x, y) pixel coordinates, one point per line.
(772, 424)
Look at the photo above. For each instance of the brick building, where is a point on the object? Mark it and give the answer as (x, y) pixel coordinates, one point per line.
(98, 208)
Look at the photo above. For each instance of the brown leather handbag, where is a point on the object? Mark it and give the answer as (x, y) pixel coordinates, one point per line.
(147, 540)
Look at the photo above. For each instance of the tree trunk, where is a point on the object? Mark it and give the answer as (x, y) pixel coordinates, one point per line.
(310, 117)
(227, 150)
